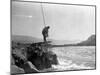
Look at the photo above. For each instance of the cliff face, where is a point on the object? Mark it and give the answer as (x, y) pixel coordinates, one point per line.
(91, 41)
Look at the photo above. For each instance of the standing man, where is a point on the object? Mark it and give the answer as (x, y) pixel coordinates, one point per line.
(45, 33)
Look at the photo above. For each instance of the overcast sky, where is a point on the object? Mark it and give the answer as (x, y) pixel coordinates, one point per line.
(67, 22)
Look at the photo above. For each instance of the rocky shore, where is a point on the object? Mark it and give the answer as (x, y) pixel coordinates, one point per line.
(33, 58)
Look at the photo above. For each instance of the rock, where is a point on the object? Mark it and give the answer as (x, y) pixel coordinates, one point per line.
(35, 59)
(53, 58)
(16, 70)
(39, 55)
(29, 67)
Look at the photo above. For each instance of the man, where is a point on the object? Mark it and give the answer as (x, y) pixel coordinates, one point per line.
(45, 33)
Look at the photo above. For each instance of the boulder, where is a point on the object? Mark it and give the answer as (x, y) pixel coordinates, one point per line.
(39, 55)
(16, 70)
(29, 67)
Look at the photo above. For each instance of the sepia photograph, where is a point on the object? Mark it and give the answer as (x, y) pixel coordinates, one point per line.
(52, 37)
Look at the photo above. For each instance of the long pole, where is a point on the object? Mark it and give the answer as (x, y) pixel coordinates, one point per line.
(43, 14)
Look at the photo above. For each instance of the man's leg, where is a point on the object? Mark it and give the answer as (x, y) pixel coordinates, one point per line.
(45, 39)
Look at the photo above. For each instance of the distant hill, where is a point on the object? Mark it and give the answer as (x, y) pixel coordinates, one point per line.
(91, 41)
(25, 39)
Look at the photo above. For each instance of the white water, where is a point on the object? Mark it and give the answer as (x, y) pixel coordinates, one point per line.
(74, 58)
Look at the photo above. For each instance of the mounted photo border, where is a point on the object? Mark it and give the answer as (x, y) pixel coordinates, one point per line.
(57, 4)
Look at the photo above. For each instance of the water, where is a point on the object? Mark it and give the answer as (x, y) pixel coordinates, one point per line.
(74, 58)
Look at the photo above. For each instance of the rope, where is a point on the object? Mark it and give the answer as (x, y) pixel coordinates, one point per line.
(43, 14)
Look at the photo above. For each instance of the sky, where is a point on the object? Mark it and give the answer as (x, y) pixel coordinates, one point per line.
(67, 22)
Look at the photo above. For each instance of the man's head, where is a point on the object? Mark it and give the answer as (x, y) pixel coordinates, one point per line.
(48, 27)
